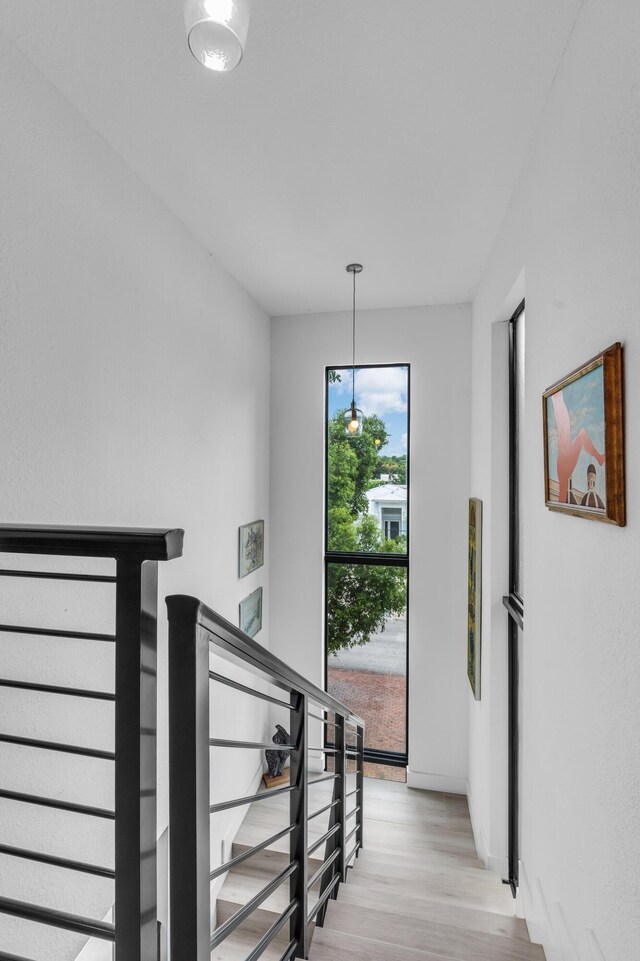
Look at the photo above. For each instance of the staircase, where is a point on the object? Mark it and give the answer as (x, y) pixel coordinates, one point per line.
(419, 892)
(291, 855)
(245, 881)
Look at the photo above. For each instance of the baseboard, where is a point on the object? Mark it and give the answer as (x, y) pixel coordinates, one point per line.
(492, 862)
(436, 782)
(482, 848)
(548, 926)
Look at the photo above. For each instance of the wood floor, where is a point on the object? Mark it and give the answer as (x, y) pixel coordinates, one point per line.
(418, 891)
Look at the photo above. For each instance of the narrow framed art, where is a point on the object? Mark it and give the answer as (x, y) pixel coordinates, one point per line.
(251, 613)
(474, 608)
(583, 417)
(251, 548)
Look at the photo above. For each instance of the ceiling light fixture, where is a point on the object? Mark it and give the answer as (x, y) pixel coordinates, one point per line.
(353, 417)
(217, 31)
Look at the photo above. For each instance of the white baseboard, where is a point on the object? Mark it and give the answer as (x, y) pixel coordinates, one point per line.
(482, 848)
(548, 926)
(436, 782)
(492, 862)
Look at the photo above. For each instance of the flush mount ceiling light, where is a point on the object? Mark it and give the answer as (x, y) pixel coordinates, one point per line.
(217, 31)
(353, 418)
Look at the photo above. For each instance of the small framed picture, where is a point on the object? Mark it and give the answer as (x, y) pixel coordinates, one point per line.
(251, 549)
(474, 598)
(251, 613)
(583, 416)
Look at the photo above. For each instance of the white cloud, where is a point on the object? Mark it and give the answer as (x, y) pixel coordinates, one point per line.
(343, 386)
(381, 390)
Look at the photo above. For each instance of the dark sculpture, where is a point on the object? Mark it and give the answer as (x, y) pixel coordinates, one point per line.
(276, 759)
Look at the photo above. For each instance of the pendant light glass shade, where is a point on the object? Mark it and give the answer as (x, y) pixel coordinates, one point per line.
(353, 417)
(353, 420)
(217, 31)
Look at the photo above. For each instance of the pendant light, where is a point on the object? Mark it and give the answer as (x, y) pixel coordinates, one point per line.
(217, 31)
(353, 417)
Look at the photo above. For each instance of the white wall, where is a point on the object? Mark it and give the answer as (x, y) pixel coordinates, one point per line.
(435, 342)
(134, 391)
(574, 229)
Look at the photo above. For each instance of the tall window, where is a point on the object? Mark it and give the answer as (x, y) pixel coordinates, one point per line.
(366, 554)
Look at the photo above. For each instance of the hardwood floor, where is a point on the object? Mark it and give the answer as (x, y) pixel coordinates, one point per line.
(418, 891)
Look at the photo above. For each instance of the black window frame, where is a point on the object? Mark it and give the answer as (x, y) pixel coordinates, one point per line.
(371, 755)
(514, 603)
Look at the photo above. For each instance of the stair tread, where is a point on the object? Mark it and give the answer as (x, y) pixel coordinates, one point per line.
(449, 935)
(270, 858)
(330, 946)
(238, 945)
(417, 892)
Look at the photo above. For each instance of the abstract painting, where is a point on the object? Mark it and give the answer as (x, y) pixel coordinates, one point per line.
(474, 609)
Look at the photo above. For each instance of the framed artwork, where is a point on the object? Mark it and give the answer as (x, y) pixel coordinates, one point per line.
(251, 613)
(474, 609)
(251, 550)
(583, 416)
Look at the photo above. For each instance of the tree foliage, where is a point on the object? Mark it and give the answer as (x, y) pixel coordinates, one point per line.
(353, 462)
(359, 597)
(395, 466)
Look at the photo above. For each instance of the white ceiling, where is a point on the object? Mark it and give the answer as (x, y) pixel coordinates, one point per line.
(386, 131)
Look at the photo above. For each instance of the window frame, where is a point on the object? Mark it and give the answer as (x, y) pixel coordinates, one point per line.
(514, 604)
(371, 755)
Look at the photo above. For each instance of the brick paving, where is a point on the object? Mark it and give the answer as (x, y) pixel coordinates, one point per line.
(381, 700)
(384, 772)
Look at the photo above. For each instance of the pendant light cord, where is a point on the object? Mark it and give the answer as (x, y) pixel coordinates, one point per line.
(353, 365)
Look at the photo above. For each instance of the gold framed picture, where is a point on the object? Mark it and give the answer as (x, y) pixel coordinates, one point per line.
(474, 606)
(583, 416)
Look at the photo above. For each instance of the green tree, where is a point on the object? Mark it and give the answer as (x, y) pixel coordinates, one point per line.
(359, 597)
(393, 465)
(352, 462)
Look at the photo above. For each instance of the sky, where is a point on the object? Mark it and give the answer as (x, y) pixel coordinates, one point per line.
(381, 391)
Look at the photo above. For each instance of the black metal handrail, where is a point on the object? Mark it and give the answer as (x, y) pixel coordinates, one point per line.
(136, 553)
(195, 631)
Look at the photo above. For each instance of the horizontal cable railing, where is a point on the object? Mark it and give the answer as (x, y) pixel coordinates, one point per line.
(133, 761)
(195, 632)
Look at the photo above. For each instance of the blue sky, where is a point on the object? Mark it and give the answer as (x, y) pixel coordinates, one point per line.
(381, 391)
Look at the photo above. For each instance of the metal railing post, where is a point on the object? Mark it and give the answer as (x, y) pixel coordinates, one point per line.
(360, 788)
(136, 553)
(298, 815)
(340, 769)
(135, 749)
(189, 798)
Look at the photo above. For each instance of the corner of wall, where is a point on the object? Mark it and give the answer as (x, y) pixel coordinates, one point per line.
(492, 862)
(436, 782)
